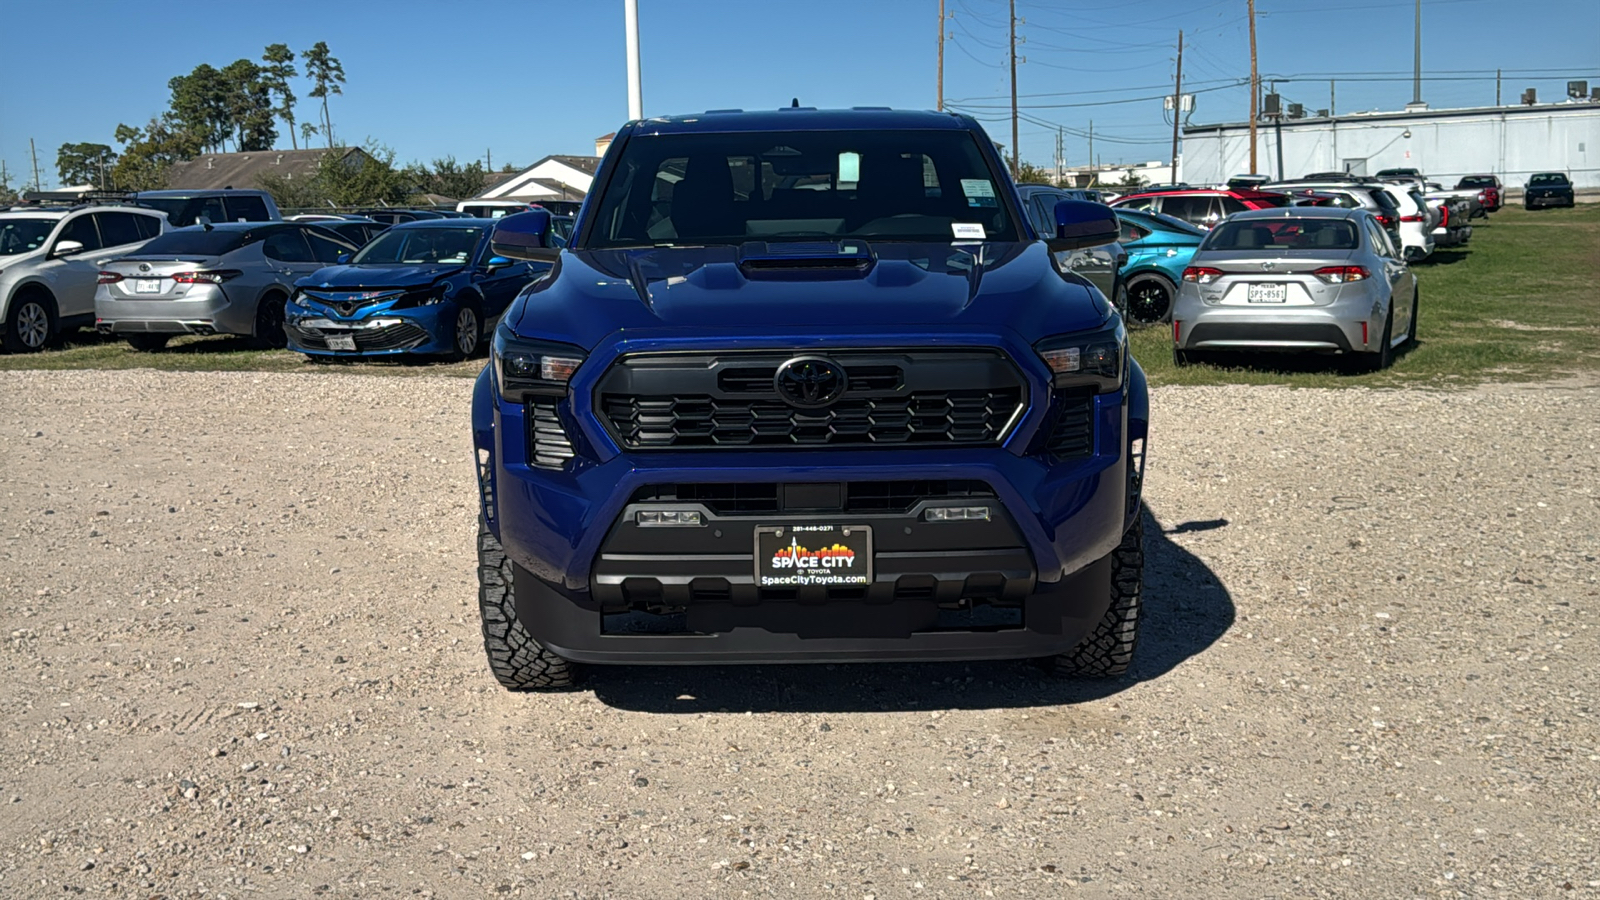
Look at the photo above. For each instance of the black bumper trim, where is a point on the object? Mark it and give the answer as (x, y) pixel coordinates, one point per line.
(1266, 333)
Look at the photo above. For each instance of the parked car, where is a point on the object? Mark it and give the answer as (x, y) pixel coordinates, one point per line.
(493, 209)
(1548, 189)
(228, 278)
(1201, 207)
(1412, 223)
(430, 287)
(1321, 279)
(49, 262)
(1454, 218)
(1159, 248)
(357, 230)
(186, 207)
(1401, 173)
(690, 452)
(1370, 196)
(1100, 265)
(1490, 192)
(396, 216)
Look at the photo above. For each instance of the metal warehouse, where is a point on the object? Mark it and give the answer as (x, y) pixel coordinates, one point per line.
(1510, 141)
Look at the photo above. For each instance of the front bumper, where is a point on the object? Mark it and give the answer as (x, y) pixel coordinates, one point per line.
(376, 332)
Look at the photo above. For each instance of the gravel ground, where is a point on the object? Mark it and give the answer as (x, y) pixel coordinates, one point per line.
(242, 657)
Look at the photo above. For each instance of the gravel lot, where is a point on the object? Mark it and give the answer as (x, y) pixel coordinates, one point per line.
(242, 657)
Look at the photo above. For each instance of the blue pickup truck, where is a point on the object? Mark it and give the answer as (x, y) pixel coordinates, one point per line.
(808, 385)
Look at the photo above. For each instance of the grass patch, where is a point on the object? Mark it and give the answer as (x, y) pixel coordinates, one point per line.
(1519, 303)
(219, 353)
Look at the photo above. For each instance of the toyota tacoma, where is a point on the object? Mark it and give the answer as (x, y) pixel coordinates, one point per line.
(807, 386)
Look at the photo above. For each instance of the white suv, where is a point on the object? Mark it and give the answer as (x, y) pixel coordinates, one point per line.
(50, 262)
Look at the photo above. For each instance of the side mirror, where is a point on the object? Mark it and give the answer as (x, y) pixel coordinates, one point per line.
(67, 248)
(525, 235)
(342, 258)
(497, 262)
(1080, 223)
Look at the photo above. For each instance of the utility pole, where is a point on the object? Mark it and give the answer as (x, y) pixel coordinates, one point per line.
(1016, 151)
(1416, 72)
(37, 185)
(1094, 170)
(1496, 87)
(488, 158)
(940, 105)
(1061, 156)
(1177, 107)
(630, 16)
(1332, 110)
(1255, 87)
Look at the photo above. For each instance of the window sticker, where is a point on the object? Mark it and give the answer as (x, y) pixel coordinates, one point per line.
(968, 231)
(979, 192)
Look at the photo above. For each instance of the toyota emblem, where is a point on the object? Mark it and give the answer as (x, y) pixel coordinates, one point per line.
(810, 382)
(1268, 266)
(144, 267)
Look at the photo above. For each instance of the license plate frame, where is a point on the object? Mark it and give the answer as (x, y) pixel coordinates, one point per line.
(146, 285)
(831, 555)
(341, 342)
(1267, 292)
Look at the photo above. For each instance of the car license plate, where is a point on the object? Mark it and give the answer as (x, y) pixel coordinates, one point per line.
(341, 342)
(797, 555)
(147, 285)
(1268, 293)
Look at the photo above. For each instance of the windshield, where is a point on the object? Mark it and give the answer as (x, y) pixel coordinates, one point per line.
(1282, 234)
(903, 185)
(198, 242)
(1477, 181)
(1549, 179)
(24, 235)
(420, 245)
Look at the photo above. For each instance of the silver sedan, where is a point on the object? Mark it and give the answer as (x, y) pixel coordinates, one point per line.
(1302, 279)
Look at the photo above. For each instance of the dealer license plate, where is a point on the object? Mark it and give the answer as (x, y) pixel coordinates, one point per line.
(1268, 293)
(797, 555)
(341, 342)
(147, 286)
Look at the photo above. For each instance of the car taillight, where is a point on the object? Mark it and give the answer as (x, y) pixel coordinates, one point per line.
(1201, 274)
(1416, 218)
(1444, 216)
(1341, 274)
(212, 276)
(109, 278)
(1386, 221)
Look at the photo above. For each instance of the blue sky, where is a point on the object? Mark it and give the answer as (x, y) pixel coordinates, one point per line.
(524, 78)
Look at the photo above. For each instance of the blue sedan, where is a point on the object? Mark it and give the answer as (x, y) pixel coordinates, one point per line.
(1159, 247)
(430, 287)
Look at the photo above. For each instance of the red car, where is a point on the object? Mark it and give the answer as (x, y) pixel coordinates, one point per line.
(1203, 207)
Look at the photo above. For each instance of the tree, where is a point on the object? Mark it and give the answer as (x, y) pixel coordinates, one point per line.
(148, 153)
(454, 180)
(249, 106)
(307, 132)
(1130, 179)
(326, 74)
(85, 163)
(275, 75)
(348, 178)
(200, 104)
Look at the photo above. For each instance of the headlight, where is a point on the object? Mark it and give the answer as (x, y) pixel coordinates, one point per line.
(1095, 358)
(523, 367)
(422, 297)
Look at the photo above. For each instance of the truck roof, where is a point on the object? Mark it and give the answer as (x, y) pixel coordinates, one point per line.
(802, 118)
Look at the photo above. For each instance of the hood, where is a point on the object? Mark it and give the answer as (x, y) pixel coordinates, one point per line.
(365, 277)
(731, 290)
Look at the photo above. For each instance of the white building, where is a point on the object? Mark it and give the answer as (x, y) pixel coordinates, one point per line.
(1512, 142)
(552, 178)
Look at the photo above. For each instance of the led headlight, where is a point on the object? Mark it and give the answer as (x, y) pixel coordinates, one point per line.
(523, 367)
(1097, 358)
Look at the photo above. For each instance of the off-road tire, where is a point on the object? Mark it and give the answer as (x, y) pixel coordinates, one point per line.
(31, 310)
(515, 658)
(1108, 650)
(147, 343)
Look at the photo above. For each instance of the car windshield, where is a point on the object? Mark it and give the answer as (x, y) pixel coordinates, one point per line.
(899, 185)
(24, 235)
(1549, 179)
(1282, 234)
(1477, 181)
(420, 246)
(198, 242)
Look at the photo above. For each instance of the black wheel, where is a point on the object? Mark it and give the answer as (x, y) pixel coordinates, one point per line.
(147, 343)
(269, 323)
(30, 322)
(467, 332)
(1108, 650)
(1182, 358)
(1411, 338)
(1150, 298)
(515, 658)
(1380, 359)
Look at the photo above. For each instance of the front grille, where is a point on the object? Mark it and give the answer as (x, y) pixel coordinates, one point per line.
(763, 498)
(895, 398)
(547, 437)
(400, 336)
(1072, 436)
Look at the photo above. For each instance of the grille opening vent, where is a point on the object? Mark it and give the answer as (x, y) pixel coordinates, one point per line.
(547, 437)
(1072, 436)
(755, 498)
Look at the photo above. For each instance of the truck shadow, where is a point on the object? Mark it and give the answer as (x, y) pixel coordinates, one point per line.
(1186, 610)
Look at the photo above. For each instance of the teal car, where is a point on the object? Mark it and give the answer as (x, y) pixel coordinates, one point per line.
(1158, 248)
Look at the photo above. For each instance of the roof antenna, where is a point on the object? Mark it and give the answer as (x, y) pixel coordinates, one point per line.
(795, 103)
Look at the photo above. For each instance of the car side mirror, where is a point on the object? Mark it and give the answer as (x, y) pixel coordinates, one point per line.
(525, 235)
(1080, 224)
(67, 248)
(342, 258)
(497, 262)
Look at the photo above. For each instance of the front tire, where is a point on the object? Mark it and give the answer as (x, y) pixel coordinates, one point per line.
(1108, 650)
(1150, 298)
(467, 332)
(518, 662)
(269, 323)
(30, 322)
(148, 343)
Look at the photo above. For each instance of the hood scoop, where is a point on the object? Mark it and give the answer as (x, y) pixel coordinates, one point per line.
(817, 260)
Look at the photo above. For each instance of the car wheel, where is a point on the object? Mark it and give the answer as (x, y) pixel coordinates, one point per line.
(1411, 339)
(1379, 360)
(1182, 358)
(518, 662)
(1108, 650)
(1150, 298)
(30, 323)
(147, 343)
(467, 332)
(269, 323)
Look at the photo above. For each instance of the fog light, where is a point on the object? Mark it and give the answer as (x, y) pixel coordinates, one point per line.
(957, 514)
(668, 517)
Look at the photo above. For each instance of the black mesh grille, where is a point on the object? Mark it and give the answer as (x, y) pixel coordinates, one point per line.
(547, 438)
(763, 498)
(1072, 436)
(400, 336)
